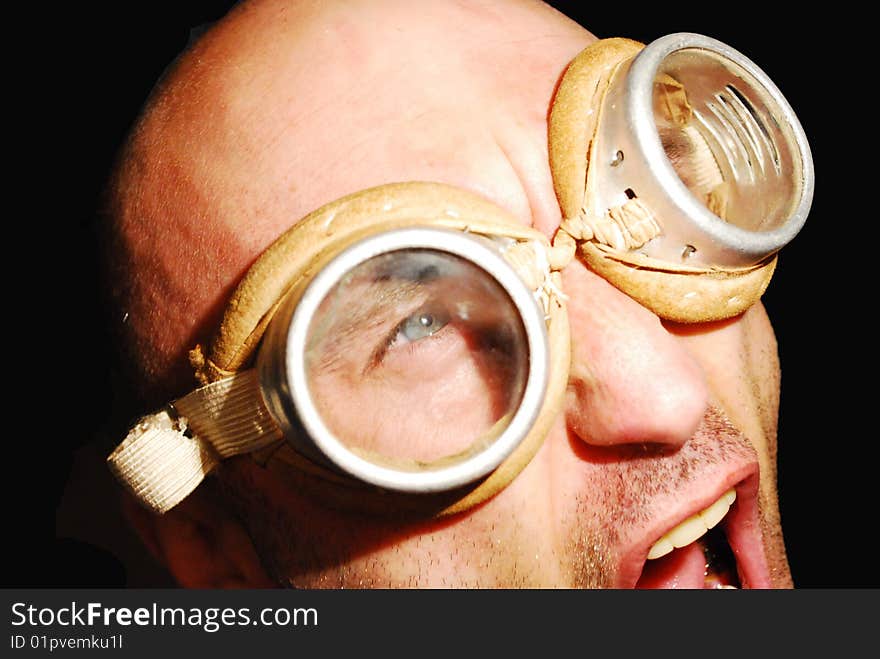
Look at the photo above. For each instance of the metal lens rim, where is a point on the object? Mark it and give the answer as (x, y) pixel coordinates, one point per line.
(639, 109)
(455, 474)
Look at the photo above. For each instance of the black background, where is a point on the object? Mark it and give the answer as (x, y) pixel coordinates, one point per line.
(87, 70)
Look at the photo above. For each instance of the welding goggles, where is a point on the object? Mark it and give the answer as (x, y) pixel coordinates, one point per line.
(407, 346)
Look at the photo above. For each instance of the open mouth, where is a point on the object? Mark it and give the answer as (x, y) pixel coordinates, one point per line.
(695, 553)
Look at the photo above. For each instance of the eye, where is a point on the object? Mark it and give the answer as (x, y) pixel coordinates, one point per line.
(407, 333)
(420, 325)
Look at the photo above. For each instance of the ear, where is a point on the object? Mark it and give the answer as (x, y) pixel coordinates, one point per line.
(201, 544)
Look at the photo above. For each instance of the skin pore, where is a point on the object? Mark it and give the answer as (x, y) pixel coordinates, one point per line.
(282, 107)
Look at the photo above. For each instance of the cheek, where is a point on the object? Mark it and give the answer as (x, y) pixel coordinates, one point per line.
(741, 364)
(312, 545)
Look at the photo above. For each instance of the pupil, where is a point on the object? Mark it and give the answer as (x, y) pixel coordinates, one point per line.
(426, 320)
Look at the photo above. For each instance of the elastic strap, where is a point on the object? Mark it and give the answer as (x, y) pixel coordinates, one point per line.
(166, 455)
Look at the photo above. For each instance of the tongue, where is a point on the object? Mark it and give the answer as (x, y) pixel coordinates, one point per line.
(680, 568)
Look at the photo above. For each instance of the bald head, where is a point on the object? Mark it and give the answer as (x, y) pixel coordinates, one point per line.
(282, 107)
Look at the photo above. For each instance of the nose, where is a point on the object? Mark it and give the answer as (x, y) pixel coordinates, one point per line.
(631, 381)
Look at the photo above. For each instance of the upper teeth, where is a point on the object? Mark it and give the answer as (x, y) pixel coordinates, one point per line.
(693, 527)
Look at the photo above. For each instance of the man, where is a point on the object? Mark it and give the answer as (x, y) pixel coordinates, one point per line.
(281, 108)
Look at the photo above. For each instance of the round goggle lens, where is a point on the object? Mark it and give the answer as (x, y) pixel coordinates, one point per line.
(717, 126)
(415, 357)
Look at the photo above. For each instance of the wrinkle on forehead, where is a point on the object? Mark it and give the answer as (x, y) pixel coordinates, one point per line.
(283, 107)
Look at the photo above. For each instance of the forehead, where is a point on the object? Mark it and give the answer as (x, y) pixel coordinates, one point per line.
(281, 109)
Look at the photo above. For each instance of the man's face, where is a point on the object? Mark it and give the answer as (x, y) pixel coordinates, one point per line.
(280, 109)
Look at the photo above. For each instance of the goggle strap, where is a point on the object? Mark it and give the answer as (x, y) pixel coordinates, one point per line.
(166, 455)
(159, 463)
(231, 414)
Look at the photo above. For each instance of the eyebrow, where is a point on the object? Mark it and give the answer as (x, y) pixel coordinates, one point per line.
(383, 297)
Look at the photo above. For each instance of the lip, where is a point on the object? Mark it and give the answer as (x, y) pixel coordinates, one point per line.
(743, 529)
(741, 525)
